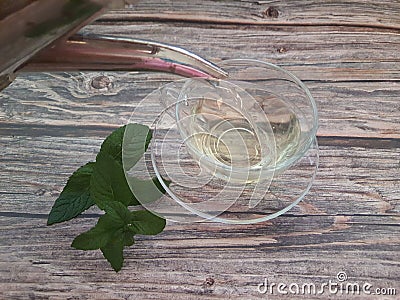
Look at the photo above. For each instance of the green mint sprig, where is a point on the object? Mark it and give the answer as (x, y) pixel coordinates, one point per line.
(103, 183)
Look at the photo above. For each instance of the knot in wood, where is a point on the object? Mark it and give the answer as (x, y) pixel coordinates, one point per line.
(271, 12)
(101, 82)
(282, 50)
(209, 281)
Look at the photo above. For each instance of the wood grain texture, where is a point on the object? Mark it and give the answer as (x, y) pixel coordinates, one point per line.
(382, 14)
(347, 52)
(351, 180)
(174, 263)
(70, 100)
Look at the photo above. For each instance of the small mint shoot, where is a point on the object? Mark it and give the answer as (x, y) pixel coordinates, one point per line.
(115, 229)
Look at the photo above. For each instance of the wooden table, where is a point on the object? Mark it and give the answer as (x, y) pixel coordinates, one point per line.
(348, 54)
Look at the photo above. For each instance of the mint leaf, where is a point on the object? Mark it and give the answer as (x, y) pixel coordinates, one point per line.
(108, 183)
(146, 191)
(99, 235)
(144, 222)
(115, 229)
(118, 211)
(112, 145)
(113, 252)
(136, 139)
(137, 222)
(74, 198)
(135, 143)
(128, 238)
(116, 219)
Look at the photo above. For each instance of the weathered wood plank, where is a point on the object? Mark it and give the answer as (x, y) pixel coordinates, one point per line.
(364, 109)
(37, 261)
(382, 14)
(350, 180)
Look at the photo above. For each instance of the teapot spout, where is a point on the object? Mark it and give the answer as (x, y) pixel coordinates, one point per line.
(103, 52)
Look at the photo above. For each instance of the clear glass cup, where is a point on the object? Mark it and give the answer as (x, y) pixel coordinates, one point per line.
(240, 150)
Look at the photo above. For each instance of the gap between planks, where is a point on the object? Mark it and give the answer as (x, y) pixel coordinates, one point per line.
(211, 21)
(11, 129)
